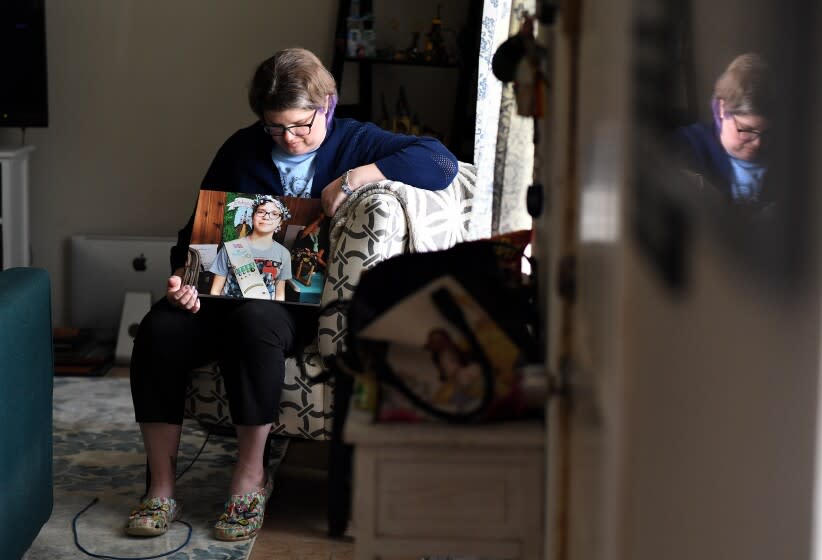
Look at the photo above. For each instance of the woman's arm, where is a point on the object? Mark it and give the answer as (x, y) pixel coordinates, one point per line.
(419, 161)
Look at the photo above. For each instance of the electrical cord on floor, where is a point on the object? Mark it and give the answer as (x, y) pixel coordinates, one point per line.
(109, 557)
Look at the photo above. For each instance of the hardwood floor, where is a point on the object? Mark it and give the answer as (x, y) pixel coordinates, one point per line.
(295, 523)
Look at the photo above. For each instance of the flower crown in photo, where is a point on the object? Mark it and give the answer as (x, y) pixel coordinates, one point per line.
(261, 199)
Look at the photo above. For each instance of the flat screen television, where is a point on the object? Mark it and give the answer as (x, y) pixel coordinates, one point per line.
(23, 77)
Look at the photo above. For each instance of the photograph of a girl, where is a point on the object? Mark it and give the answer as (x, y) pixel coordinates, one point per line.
(255, 265)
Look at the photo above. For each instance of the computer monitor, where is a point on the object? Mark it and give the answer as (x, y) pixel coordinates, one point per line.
(103, 269)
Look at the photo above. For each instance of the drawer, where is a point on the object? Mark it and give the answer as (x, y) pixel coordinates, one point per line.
(467, 495)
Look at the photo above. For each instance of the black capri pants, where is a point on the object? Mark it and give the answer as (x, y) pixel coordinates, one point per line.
(249, 338)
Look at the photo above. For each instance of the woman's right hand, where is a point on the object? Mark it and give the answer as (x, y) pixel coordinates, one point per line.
(184, 297)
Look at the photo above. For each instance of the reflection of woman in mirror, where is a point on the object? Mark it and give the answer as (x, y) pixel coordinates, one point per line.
(272, 259)
(731, 153)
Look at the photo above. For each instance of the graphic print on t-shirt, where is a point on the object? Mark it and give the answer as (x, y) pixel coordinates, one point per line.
(296, 172)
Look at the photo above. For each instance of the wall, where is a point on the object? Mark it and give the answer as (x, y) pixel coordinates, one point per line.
(141, 95)
(721, 31)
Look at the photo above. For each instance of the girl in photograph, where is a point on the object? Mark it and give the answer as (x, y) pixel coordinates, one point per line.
(271, 260)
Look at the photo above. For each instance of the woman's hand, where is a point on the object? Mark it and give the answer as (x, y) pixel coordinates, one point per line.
(184, 297)
(333, 196)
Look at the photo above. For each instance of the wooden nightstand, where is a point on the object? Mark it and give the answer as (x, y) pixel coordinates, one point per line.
(429, 489)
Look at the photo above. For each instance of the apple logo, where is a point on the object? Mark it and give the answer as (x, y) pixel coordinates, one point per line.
(139, 263)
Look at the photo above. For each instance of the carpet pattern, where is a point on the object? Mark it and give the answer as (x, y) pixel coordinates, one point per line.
(98, 452)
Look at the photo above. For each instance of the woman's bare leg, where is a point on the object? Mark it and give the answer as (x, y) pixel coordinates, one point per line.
(161, 442)
(249, 472)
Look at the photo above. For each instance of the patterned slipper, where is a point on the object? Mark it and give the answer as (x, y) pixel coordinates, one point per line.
(152, 517)
(243, 515)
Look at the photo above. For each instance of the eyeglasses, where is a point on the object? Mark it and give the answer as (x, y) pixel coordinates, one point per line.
(265, 214)
(295, 129)
(748, 134)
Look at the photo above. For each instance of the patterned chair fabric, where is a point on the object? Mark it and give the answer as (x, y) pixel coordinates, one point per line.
(377, 222)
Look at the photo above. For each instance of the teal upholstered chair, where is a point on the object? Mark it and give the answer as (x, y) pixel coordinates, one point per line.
(26, 381)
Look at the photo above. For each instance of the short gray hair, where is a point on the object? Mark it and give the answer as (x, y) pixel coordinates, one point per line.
(745, 86)
(291, 79)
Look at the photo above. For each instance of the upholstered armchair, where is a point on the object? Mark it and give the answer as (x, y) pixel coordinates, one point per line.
(377, 222)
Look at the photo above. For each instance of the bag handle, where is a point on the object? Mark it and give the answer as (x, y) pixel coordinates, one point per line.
(445, 304)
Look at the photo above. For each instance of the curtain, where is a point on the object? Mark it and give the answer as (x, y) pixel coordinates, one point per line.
(503, 141)
(495, 23)
(514, 161)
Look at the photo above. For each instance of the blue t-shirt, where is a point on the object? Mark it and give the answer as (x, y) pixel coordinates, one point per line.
(296, 171)
(746, 185)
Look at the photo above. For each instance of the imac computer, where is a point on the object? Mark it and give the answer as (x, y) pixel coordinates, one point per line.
(103, 269)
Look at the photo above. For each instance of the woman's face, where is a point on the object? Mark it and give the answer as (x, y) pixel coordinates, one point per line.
(267, 218)
(742, 136)
(296, 131)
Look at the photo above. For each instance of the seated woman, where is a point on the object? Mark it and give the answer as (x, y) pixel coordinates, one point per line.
(730, 153)
(295, 148)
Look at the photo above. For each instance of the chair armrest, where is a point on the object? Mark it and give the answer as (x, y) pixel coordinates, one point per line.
(382, 220)
(374, 228)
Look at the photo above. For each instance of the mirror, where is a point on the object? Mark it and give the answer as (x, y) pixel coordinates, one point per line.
(720, 101)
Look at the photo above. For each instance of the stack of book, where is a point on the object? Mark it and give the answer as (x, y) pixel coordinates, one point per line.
(83, 352)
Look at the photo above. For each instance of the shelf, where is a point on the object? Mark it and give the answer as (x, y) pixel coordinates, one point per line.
(462, 121)
(392, 62)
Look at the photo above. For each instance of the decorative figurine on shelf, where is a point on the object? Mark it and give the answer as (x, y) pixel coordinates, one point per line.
(416, 125)
(385, 119)
(412, 53)
(435, 51)
(361, 38)
(402, 118)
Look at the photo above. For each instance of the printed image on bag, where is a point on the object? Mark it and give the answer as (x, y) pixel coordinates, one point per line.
(444, 334)
(431, 367)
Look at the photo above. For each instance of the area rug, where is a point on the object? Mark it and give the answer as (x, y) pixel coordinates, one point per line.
(98, 453)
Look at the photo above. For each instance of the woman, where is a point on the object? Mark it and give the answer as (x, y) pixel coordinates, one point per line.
(296, 148)
(272, 260)
(731, 153)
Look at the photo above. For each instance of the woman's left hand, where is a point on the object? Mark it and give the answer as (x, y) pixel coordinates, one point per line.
(332, 196)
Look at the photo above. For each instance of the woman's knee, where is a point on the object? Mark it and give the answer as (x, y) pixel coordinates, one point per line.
(258, 320)
(161, 323)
